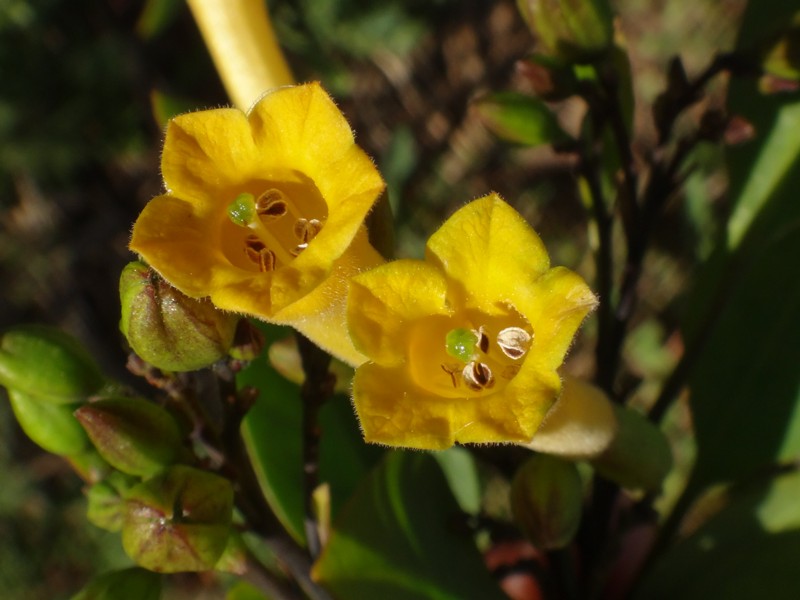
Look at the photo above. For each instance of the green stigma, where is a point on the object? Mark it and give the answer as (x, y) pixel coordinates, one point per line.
(241, 210)
(461, 343)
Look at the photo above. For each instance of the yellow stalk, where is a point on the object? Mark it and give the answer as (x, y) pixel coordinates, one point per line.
(242, 43)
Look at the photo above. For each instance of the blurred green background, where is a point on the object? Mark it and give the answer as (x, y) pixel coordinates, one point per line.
(79, 150)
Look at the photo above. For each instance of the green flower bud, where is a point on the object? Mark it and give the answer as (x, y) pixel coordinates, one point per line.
(127, 584)
(51, 426)
(639, 457)
(133, 435)
(178, 521)
(519, 119)
(168, 329)
(106, 501)
(573, 31)
(47, 363)
(547, 500)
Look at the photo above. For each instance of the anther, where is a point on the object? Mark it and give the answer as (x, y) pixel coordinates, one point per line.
(478, 376)
(483, 341)
(272, 204)
(306, 230)
(514, 342)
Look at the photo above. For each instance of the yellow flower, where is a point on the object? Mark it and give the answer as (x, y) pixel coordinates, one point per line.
(464, 346)
(263, 212)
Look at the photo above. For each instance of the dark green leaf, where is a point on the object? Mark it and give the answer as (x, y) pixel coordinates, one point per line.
(398, 539)
(128, 584)
(272, 431)
(747, 550)
(743, 326)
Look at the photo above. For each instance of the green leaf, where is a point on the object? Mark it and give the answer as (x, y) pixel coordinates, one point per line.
(398, 539)
(747, 550)
(272, 432)
(134, 583)
(345, 459)
(461, 472)
(520, 119)
(743, 325)
(245, 591)
(51, 426)
(745, 384)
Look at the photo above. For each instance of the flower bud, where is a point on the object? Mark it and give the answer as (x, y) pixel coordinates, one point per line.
(519, 119)
(573, 31)
(179, 520)
(51, 426)
(168, 329)
(47, 363)
(133, 583)
(581, 424)
(639, 457)
(546, 500)
(133, 435)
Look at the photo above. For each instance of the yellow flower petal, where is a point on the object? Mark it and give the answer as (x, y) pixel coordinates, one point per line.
(488, 247)
(383, 301)
(309, 187)
(207, 153)
(556, 305)
(394, 413)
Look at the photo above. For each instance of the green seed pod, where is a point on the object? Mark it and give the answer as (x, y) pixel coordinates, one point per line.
(547, 500)
(573, 31)
(47, 363)
(178, 521)
(639, 457)
(167, 328)
(51, 426)
(127, 584)
(133, 435)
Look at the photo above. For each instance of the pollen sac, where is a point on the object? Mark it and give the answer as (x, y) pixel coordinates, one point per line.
(478, 376)
(272, 204)
(514, 342)
(307, 229)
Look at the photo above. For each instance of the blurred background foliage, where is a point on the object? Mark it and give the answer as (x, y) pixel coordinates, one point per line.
(85, 83)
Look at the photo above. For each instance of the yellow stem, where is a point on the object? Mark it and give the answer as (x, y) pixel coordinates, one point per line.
(240, 39)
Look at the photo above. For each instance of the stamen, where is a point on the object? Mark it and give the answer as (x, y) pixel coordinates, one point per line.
(510, 371)
(306, 230)
(514, 342)
(298, 249)
(483, 340)
(478, 376)
(272, 204)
